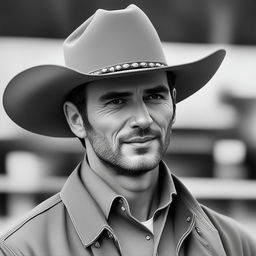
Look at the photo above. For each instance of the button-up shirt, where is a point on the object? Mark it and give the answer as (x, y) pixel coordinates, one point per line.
(87, 218)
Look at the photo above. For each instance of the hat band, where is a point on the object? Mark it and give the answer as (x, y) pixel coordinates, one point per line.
(127, 66)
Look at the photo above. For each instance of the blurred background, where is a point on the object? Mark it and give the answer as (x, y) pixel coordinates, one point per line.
(213, 148)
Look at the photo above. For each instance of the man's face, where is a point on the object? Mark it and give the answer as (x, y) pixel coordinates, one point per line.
(130, 121)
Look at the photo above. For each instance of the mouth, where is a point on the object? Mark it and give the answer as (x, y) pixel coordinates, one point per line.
(140, 140)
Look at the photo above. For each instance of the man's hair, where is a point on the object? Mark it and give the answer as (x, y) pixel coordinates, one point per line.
(78, 97)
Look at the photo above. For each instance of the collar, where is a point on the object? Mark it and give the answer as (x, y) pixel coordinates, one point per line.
(87, 219)
(97, 187)
(89, 210)
(89, 216)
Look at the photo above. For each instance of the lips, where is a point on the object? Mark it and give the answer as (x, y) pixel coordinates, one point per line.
(140, 139)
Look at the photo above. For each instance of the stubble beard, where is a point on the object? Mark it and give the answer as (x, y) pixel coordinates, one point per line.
(116, 159)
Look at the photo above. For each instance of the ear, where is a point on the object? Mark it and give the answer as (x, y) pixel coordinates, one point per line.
(174, 94)
(74, 119)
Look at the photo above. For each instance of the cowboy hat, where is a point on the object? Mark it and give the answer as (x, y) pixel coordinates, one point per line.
(109, 44)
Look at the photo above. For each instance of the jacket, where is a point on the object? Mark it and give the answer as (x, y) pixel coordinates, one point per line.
(70, 223)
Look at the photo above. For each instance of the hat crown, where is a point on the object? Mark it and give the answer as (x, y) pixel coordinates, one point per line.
(113, 37)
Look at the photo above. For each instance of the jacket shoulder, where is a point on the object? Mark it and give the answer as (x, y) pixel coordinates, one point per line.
(34, 214)
(234, 236)
(31, 226)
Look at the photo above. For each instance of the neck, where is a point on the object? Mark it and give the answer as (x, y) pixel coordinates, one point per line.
(140, 190)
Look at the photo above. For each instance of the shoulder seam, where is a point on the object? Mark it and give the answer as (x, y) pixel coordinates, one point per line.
(33, 215)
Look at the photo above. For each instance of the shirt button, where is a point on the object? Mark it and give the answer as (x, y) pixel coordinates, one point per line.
(97, 244)
(110, 235)
(198, 230)
(188, 219)
(148, 237)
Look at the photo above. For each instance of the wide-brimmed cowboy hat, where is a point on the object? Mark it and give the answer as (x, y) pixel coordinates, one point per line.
(109, 44)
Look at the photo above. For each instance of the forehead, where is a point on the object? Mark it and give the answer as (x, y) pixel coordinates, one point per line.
(139, 82)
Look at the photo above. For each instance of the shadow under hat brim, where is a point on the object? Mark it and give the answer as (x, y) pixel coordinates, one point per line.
(34, 98)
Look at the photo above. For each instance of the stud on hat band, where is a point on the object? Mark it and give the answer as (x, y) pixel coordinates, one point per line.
(127, 66)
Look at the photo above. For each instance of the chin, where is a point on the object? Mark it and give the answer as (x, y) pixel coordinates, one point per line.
(142, 164)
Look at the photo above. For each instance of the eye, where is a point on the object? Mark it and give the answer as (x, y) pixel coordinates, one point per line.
(155, 97)
(116, 102)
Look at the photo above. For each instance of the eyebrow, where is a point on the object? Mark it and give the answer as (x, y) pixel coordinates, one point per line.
(158, 89)
(115, 95)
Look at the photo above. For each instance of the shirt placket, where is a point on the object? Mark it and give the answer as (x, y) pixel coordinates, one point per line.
(159, 225)
(134, 237)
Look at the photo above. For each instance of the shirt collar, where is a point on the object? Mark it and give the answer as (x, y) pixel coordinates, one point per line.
(88, 209)
(166, 186)
(87, 219)
(97, 187)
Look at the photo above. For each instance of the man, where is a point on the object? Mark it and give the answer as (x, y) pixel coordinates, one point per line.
(118, 96)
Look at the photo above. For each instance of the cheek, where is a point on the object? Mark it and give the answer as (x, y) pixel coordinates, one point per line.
(164, 116)
(107, 124)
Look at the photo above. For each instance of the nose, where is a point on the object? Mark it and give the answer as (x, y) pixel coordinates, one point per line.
(141, 117)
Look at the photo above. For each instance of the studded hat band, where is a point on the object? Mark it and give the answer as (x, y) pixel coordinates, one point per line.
(127, 66)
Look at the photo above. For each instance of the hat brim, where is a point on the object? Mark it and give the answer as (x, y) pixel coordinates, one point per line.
(34, 98)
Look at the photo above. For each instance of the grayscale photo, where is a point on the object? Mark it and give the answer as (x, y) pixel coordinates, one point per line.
(128, 128)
